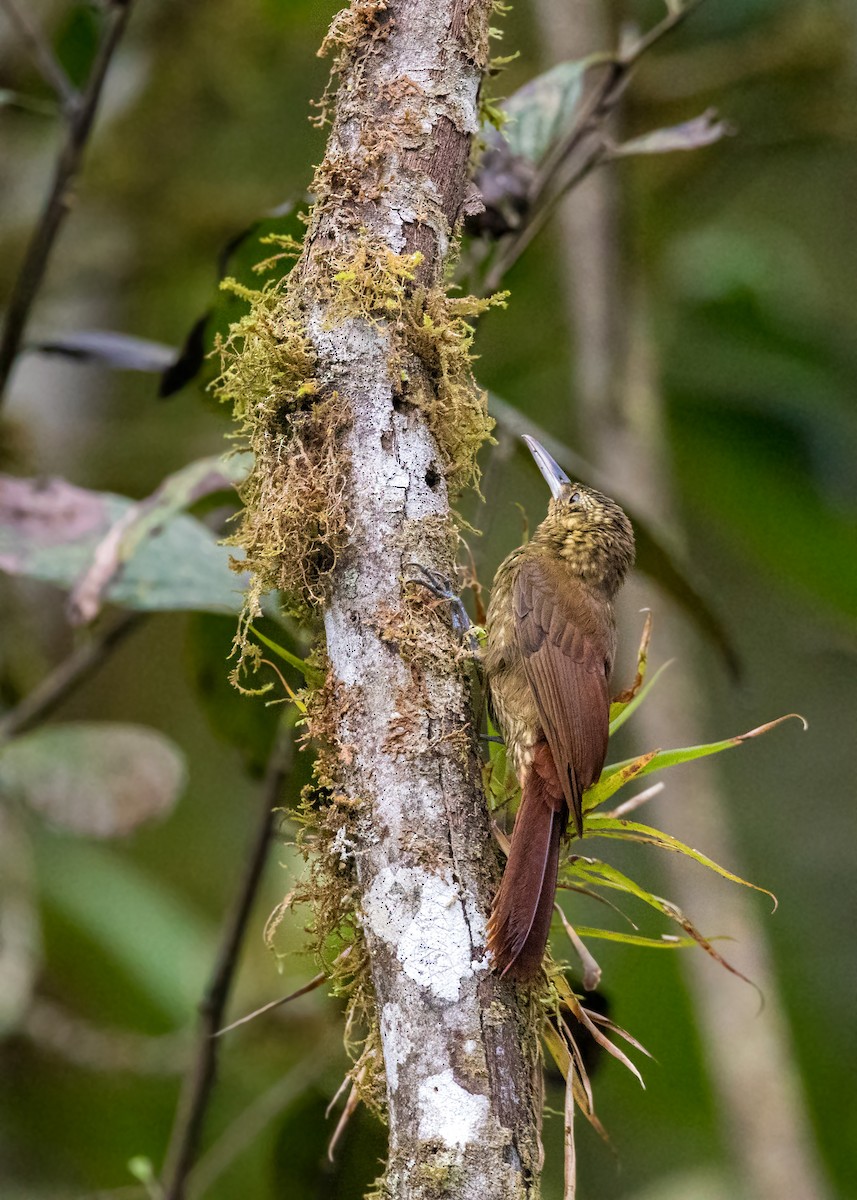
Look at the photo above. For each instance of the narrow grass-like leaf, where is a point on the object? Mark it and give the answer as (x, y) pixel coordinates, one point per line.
(311, 674)
(636, 939)
(621, 701)
(616, 777)
(618, 718)
(661, 759)
(601, 1038)
(632, 831)
(595, 872)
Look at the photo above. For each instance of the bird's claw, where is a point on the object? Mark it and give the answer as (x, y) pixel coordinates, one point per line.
(441, 587)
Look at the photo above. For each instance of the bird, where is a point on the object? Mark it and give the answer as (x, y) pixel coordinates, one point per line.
(550, 647)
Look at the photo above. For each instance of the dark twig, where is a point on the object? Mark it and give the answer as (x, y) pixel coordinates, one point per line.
(62, 681)
(58, 202)
(582, 149)
(196, 1091)
(42, 54)
(251, 1122)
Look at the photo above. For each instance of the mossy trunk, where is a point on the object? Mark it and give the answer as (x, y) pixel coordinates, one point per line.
(368, 425)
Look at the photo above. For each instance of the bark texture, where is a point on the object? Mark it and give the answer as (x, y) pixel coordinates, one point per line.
(459, 1047)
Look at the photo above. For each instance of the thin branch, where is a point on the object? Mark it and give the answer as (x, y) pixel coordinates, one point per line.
(42, 54)
(199, 1081)
(572, 158)
(65, 678)
(247, 1127)
(32, 272)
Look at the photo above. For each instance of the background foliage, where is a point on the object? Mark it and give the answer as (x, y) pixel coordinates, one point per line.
(750, 263)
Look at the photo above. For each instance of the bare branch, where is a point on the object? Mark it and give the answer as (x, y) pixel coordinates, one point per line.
(32, 272)
(42, 54)
(198, 1084)
(583, 148)
(66, 677)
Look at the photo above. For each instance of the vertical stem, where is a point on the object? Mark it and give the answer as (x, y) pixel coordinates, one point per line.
(58, 201)
(196, 1091)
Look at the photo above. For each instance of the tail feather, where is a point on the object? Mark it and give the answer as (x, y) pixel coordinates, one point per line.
(521, 916)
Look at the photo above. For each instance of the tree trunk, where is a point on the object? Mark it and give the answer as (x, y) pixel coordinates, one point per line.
(408, 814)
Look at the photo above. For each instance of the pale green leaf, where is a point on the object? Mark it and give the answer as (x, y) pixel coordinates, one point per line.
(619, 713)
(95, 778)
(661, 759)
(612, 827)
(312, 675)
(635, 939)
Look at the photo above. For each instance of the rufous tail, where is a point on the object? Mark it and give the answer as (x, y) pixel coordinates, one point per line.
(521, 916)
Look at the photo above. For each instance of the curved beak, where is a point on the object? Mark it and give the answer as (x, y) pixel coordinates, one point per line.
(554, 475)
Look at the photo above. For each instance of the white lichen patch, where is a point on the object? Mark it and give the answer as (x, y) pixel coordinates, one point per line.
(420, 915)
(448, 1113)
(396, 1041)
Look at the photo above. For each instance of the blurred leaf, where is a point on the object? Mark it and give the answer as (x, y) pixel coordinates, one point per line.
(159, 940)
(33, 104)
(77, 40)
(50, 530)
(544, 109)
(245, 722)
(188, 363)
(20, 935)
(120, 350)
(703, 130)
(656, 560)
(774, 514)
(180, 490)
(98, 778)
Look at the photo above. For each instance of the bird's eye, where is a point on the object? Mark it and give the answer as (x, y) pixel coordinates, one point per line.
(574, 498)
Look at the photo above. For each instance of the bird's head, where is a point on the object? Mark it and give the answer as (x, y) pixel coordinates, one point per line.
(583, 527)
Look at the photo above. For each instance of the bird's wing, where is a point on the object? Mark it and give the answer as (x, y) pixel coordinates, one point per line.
(566, 644)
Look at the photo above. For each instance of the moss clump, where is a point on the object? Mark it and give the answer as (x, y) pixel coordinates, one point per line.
(431, 364)
(294, 519)
(352, 36)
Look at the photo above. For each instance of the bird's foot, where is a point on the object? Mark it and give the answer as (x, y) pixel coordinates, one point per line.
(441, 587)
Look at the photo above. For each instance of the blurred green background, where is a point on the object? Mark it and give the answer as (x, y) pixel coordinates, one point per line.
(746, 256)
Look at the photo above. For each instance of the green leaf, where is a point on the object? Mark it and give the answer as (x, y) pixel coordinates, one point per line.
(658, 760)
(142, 520)
(594, 871)
(703, 130)
(613, 827)
(311, 674)
(544, 109)
(597, 873)
(165, 949)
(615, 777)
(98, 779)
(51, 531)
(20, 928)
(667, 942)
(245, 722)
(624, 711)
